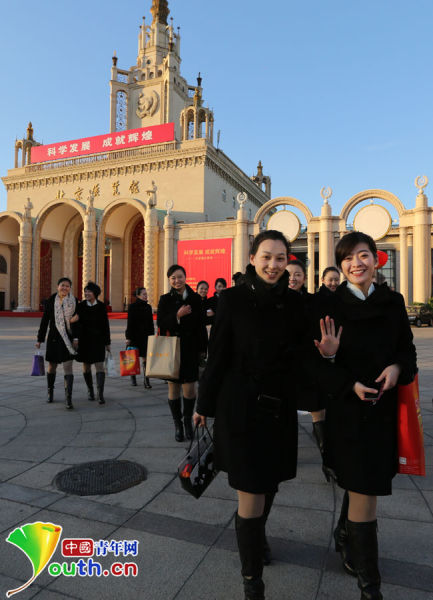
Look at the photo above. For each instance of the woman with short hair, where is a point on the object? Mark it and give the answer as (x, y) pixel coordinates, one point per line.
(62, 340)
(375, 353)
(138, 328)
(94, 340)
(180, 314)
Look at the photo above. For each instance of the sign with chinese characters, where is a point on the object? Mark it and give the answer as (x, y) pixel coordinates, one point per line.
(206, 259)
(144, 136)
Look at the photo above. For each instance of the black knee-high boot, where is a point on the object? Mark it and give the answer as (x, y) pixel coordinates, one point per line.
(363, 551)
(340, 537)
(89, 382)
(267, 554)
(69, 383)
(188, 409)
(250, 535)
(319, 436)
(51, 378)
(177, 418)
(100, 381)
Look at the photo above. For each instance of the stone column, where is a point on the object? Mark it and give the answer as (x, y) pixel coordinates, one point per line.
(169, 229)
(421, 246)
(25, 260)
(151, 231)
(311, 238)
(326, 238)
(241, 257)
(89, 244)
(404, 273)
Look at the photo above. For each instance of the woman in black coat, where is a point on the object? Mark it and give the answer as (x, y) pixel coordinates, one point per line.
(62, 341)
(94, 339)
(180, 314)
(202, 290)
(248, 387)
(139, 327)
(220, 286)
(376, 352)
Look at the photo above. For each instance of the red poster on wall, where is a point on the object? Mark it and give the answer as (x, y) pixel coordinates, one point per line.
(206, 259)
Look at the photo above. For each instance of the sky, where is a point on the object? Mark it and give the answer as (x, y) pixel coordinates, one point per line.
(324, 92)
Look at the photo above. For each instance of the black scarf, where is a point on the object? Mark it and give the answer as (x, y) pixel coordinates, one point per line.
(268, 295)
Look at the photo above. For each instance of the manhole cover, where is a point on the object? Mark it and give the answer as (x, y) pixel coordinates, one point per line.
(100, 477)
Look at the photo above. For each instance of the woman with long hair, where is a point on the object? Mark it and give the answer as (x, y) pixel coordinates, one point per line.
(62, 340)
(375, 353)
(180, 314)
(247, 386)
(94, 339)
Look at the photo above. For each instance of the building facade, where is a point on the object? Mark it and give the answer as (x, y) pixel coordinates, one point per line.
(116, 216)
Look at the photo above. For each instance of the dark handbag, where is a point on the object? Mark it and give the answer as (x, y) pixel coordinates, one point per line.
(197, 470)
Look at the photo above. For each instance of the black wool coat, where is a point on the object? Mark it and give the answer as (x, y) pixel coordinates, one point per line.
(249, 383)
(361, 438)
(56, 351)
(139, 325)
(191, 330)
(309, 398)
(94, 334)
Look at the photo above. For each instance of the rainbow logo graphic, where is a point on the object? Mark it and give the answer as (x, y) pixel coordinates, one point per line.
(38, 541)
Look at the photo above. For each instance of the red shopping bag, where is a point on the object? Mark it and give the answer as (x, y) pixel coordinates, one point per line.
(129, 362)
(411, 459)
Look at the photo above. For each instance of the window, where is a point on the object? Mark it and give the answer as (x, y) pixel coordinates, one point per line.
(3, 264)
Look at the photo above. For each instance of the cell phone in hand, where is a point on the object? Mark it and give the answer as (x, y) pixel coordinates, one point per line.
(374, 397)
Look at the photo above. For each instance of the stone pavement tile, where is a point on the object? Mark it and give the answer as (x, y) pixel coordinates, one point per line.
(405, 541)
(309, 454)
(100, 440)
(86, 508)
(16, 450)
(46, 594)
(428, 449)
(404, 504)
(12, 513)
(395, 592)
(424, 483)
(11, 468)
(41, 476)
(158, 434)
(73, 455)
(108, 426)
(428, 495)
(114, 413)
(9, 583)
(307, 495)
(15, 564)
(138, 496)
(162, 569)
(172, 527)
(204, 510)
(300, 524)
(309, 473)
(402, 482)
(407, 575)
(160, 460)
(28, 495)
(218, 577)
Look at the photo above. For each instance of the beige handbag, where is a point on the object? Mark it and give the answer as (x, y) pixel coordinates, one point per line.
(163, 357)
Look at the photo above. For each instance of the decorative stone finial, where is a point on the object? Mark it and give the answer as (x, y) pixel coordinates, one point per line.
(169, 206)
(160, 11)
(326, 193)
(114, 59)
(421, 182)
(260, 169)
(199, 79)
(30, 131)
(151, 194)
(242, 198)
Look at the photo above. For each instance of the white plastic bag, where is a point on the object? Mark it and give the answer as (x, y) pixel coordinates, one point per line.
(110, 369)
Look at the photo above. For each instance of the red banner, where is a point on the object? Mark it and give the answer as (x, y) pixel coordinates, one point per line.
(206, 259)
(144, 136)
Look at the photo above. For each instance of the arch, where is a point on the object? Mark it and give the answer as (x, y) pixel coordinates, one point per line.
(14, 215)
(281, 201)
(43, 213)
(139, 205)
(366, 195)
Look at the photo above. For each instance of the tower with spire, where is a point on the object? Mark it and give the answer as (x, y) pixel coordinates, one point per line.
(153, 91)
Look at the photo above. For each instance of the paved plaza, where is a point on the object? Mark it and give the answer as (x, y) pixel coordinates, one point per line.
(187, 548)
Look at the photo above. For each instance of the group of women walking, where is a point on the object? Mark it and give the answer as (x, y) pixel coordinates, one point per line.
(353, 344)
(273, 349)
